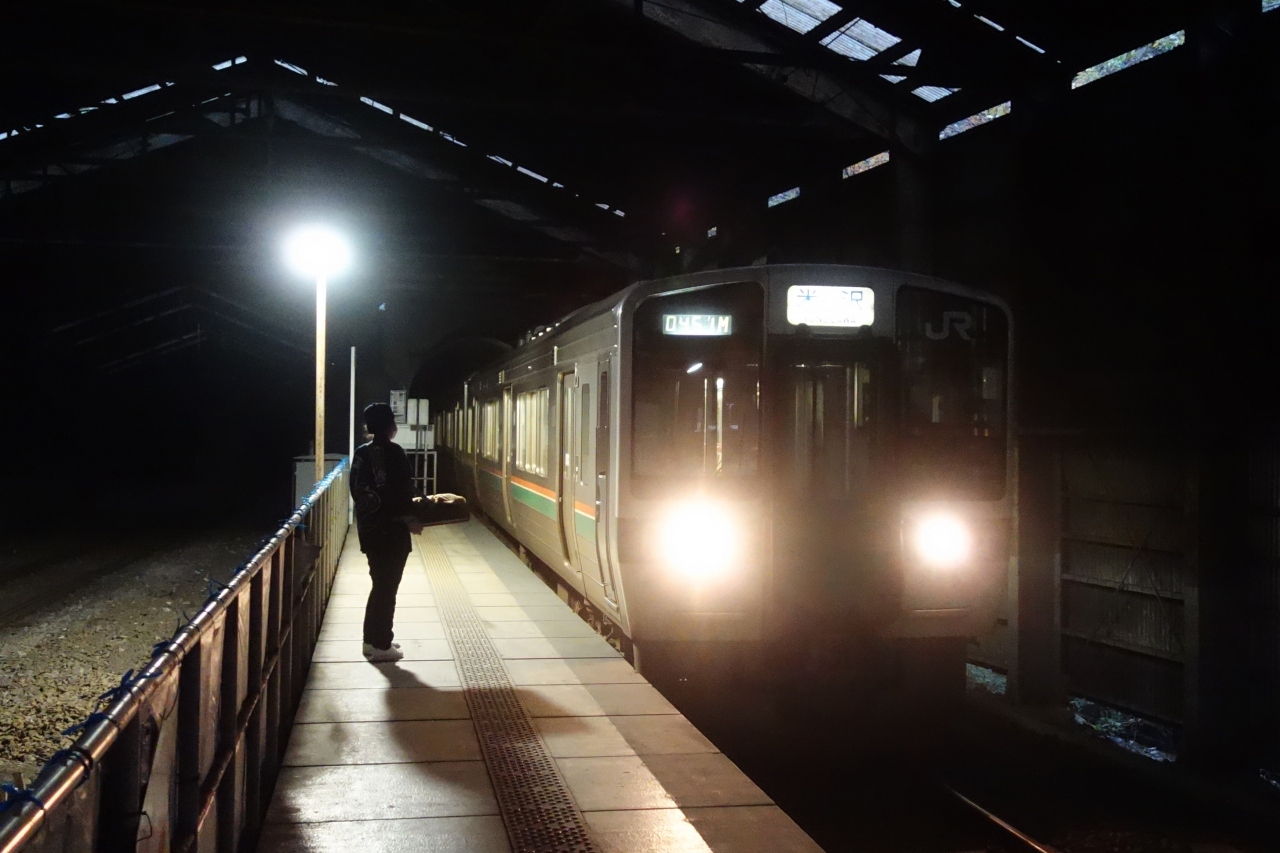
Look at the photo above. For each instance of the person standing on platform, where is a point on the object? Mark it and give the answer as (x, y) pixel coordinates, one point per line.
(382, 487)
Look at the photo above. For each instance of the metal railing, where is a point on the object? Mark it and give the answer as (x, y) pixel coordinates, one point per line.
(185, 755)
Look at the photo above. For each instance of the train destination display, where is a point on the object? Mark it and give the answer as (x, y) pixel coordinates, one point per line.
(830, 306)
(704, 325)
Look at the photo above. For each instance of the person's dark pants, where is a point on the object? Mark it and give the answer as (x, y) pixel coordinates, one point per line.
(386, 567)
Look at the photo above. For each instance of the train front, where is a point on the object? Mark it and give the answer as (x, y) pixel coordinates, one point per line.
(824, 455)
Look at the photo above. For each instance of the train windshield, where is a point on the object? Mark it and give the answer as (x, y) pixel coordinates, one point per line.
(954, 370)
(696, 387)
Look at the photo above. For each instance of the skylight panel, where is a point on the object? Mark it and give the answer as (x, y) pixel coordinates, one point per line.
(324, 82)
(933, 93)
(860, 40)
(1037, 48)
(799, 15)
(958, 127)
(377, 105)
(783, 197)
(893, 78)
(617, 212)
(223, 66)
(602, 206)
(865, 165)
(989, 22)
(712, 231)
(1268, 5)
(4, 134)
(63, 115)
(912, 59)
(955, 3)
(451, 138)
(532, 174)
(421, 125)
(557, 185)
(145, 90)
(291, 67)
(503, 160)
(1133, 57)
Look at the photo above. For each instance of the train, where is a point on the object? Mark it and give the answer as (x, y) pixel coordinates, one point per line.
(806, 467)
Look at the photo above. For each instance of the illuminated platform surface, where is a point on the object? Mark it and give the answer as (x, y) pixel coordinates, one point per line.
(388, 757)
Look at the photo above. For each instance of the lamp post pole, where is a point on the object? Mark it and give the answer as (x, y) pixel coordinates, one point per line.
(321, 300)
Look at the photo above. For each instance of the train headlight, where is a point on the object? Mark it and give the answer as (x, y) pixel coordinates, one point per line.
(942, 541)
(699, 539)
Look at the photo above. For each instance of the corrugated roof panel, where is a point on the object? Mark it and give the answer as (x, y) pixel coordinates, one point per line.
(933, 93)
(989, 22)
(860, 40)
(503, 160)
(865, 165)
(377, 105)
(291, 67)
(145, 90)
(1037, 48)
(958, 127)
(532, 174)
(421, 125)
(892, 78)
(912, 59)
(1132, 57)
(799, 15)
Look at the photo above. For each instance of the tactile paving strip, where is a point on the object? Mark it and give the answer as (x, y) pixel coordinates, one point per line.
(537, 808)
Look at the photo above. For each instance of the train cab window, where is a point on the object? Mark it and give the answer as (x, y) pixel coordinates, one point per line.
(954, 362)
(830, 436)
(696, 368)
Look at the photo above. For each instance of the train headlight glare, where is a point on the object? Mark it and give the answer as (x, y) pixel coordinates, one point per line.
(699, 539)
(942, 541)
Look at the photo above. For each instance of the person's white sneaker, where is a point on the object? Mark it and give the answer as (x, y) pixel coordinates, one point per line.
(376, 655)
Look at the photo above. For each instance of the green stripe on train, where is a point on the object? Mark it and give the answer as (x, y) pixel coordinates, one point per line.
(532, 499)
(586, 527)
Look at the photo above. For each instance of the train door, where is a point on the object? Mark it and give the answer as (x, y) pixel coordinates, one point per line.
(567, 476)
(600, 468)
(507, 450)
(586, 503)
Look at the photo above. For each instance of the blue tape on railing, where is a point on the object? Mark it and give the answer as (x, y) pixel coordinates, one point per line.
(77, 755)
(16, 795)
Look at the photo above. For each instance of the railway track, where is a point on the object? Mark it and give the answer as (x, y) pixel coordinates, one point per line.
(1007, 831)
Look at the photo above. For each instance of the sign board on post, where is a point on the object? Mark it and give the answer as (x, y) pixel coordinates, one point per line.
(399, 405)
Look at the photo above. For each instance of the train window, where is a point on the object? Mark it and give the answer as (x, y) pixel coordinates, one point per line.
(954, 355)
(532, 438)
(489, 431)
(696, 396)
(585, 428)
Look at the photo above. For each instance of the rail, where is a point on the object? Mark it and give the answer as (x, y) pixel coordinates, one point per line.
(185, 754)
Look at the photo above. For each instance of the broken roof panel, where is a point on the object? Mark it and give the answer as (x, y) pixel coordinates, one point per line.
(860, 40)
(933, 93)
(1132, 57)
(799, 15)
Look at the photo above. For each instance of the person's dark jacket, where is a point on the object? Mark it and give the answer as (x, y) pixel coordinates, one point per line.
(382, 487)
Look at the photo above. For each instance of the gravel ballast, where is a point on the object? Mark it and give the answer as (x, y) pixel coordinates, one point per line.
(56, 661)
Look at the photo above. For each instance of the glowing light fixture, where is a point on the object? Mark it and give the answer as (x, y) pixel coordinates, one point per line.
(699, 539)
(942, 541)
(695, 367)
(318, 252)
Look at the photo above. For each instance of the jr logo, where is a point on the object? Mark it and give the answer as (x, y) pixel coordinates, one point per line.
(957, 321)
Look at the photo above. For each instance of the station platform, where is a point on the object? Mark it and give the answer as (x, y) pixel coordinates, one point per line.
(509, 726)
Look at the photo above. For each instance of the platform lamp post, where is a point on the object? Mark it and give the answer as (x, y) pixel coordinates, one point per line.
(318, 252)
